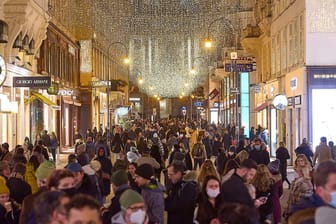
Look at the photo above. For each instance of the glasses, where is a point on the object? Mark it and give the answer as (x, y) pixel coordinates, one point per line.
(135, 208)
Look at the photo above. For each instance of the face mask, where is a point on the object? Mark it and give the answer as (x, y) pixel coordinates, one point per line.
(231, 153)
(333, 198)
(212, 193)
(138, 217)
(70, 191)
(257, 147)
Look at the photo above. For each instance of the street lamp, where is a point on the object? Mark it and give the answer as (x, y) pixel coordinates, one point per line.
(208, 41)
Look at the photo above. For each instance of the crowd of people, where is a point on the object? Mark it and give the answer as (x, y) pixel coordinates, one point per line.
(166, 172)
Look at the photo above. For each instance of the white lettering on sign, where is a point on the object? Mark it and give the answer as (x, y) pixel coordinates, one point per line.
(293, 83)
(65, 92)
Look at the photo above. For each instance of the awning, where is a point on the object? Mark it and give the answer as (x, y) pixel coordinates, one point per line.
(261, 106)
(42, 98)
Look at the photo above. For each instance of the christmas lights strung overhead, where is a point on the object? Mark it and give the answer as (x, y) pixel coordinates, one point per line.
(164, 36)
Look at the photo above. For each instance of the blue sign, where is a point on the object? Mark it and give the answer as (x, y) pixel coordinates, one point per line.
(198, 104)
(239, 67)
(184, 108)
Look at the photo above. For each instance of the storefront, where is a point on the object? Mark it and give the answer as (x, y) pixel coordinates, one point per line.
(70, 110)
(321, 104)
(296, 119)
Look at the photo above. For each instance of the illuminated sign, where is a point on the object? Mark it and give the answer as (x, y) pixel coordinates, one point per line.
(280, 102)
(65, 92)
(32, 81)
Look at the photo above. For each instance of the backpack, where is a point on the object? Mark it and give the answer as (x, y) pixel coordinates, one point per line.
(197, 150)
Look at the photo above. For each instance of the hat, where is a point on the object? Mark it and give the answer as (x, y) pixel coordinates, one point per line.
(45, 169)
(74, 167)
(119, 178)
(3, 187)
(274, 166)
(325, 215)
(96, 165)
(145, 171)
(130, 197)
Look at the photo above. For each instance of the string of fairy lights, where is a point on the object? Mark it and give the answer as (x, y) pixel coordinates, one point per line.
(163, 37)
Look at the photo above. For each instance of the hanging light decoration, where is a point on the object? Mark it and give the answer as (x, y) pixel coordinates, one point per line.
(163, 36)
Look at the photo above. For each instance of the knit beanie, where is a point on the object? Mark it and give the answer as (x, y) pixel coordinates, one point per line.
(274, 166)
(3, 187)
(44, 169)
(130, 197)
(145, 171)
(119, 178)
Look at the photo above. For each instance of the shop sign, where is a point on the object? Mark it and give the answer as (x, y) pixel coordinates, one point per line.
(280, 102)
(66, 92)
(241, 64)
(213, 94)
(198, 104)
(297, 100)
(293, 83)
(32, 81)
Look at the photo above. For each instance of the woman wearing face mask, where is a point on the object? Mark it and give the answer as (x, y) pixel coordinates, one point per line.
(207, 169)
(207, 199)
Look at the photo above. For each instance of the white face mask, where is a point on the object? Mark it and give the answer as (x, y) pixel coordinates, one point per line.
(138, 217)
(231, 153)
(212, 193)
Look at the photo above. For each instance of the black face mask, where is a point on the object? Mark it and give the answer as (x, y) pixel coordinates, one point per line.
(70, 191)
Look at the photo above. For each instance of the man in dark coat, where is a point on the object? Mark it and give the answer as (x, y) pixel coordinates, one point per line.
(181, 200)
(305, 149)
(259, 153)
(234, 189)
(282, 155)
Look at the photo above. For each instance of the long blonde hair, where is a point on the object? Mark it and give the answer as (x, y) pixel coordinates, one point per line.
(207, 169)
(304, 171)
(263, 179)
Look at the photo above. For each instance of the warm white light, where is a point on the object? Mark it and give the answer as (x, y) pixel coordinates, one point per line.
(208, 43)
(193, 71)
(141, 81)
(126, 60)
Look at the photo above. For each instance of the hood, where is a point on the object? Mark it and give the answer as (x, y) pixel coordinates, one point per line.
(88, 170)
(118, 218)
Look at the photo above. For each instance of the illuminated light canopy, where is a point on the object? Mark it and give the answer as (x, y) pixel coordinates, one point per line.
(162, 37)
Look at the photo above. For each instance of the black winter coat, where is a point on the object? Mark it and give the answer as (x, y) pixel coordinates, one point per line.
(181, 202)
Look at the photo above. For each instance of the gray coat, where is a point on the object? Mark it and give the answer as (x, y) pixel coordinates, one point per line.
(154, 200)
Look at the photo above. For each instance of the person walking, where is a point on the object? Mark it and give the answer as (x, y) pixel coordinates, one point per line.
(198, 153)
(282, 155)
(53, 145)
(322, 152)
